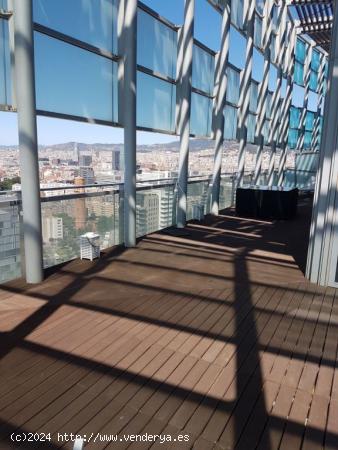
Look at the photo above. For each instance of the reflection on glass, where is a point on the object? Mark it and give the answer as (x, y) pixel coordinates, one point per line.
(88, 21)
(156, 45)
(73, 81)
(230, 122)
(5, 78)
(232, 94)
(156, 100)
(201, 110)
(203, 70)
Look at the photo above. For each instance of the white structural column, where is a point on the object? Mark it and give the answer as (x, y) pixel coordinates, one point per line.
(307, 73)
(129, 34)
(244, 99)
(286, 104)
(263, 89)
(275, 109)
(219, 103)
(28, 143)
(185, 54)
(323, 245)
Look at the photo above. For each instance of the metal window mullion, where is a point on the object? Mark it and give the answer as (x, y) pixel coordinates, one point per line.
(307, 74)
(184, 67)
(264, 89)
(320, 102)
(286, 104)
(244, 100)
(275, 113)
(220, 89)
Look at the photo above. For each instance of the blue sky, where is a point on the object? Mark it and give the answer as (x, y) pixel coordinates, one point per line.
(50, 131)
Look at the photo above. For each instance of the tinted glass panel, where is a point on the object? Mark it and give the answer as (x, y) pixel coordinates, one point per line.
(258, 31)
(237, 48)
(232, 94)
(156, 45)
(156, 100)
(203, 70)
(5, 78)
(293, 138)
(251, 124)
(313, 80)
(257, 65)
(315, 60)
(230, 122)
(299, 73)
(88, 21)
(201, 109)
(294, 117)
(87, 88)
(300, 51)
(253, 97)
(237, 13)
(309, 121)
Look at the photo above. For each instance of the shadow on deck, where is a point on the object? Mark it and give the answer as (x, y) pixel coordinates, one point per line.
(215, 336)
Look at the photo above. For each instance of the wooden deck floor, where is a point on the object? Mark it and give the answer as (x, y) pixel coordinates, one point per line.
(215, 334)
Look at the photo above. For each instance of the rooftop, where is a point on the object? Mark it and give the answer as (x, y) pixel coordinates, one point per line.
(214, 333)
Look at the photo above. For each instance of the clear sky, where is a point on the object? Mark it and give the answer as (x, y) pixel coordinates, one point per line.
(207, 30)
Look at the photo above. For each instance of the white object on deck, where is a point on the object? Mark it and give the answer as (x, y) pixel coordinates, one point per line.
(90, 246)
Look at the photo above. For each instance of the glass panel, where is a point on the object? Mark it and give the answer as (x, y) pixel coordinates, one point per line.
(232, 94)
(257, 65)
(298, 96)
(251, 124)
(293, 138)
(312, 103)
(64, 221)
(201, 110)
(3, 5)
(260, 6)
(173, 10)
(307, 139)
(154, 209)
(272, 78)
(309, 121)
(294, 117)
(237, 48)
(315, 61)
(237, 13)
(253, 96)
(313, 80)
(300, 51)
(283, 88)
(266, 131)
(203, 70)
(298, 75)
(230, 122)
(198, 199)
(5, 78)
(274, 17)
(156, 100)
(86, 89)
(10, 238)
(269, 105)
(273, 47)
(91, 22)
(156, 45)
(206, 19)
(226, 192)
(258, 31)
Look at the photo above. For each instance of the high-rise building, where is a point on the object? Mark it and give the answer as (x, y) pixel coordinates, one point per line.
(87, 173)
(85, 160)
(147, 213)
(116, 160)
(52, 228)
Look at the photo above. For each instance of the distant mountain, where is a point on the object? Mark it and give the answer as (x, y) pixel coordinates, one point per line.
(195, 146)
